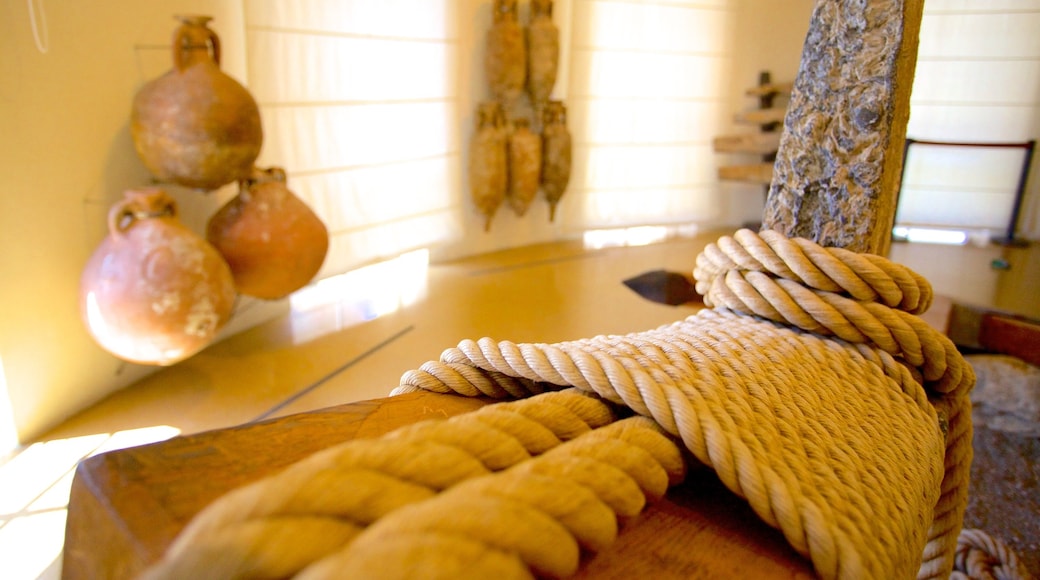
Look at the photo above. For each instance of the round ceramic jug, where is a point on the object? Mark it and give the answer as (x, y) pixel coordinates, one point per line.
(154, 292)
(196, 126)
(272, 241)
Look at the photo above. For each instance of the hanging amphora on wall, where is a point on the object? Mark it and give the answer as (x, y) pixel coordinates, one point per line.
(153, 292)
(196, 126)
(488, 163)
(543, 52)
(525, 166)
(556, 154)
(505, 58)
(272, 241)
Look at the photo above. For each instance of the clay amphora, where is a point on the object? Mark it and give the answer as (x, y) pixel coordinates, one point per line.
(196, 126)
(543, 52)
(153, 292)
(556, 155)
(488, 164)
(525, 166)
(505, 57)
(272, 241)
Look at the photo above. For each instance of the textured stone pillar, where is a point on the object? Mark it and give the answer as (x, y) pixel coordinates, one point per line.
(838, 168)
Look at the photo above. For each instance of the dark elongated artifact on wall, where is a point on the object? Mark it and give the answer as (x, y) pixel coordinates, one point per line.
(525, 166)
(272, 241)
(196, 126)
(543, 52)
(153, 292)
(556, 154)
(488, 165)
(505, 57)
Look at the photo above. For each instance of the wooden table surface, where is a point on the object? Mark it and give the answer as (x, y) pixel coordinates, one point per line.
(126, 506)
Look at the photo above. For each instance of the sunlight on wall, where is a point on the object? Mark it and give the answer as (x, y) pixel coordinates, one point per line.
(930, 235)
(8, 432)
(340, 301)
(634, 236)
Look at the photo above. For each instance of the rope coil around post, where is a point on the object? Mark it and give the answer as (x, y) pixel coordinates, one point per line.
(809, 352)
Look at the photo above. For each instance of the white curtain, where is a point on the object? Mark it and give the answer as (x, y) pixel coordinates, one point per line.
(649, 90)
(358, 105)
(978, 79)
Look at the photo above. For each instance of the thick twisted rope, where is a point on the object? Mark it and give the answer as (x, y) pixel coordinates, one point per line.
(533, 518)
(980, 555)
(818, 433)
(276, 526)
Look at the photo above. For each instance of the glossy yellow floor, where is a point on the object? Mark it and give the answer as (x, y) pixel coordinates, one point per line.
(351, 339)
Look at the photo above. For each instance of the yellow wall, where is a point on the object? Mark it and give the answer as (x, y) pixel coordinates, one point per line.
(66, 156)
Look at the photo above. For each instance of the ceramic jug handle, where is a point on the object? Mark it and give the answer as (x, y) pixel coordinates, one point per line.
(181, 39)
(123, 215)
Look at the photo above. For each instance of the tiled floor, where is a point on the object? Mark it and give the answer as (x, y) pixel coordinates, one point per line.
(352, 339)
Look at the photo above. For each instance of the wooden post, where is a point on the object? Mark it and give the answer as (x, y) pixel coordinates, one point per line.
(837, 171)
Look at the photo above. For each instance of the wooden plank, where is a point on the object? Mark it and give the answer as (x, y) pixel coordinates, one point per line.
(752, 173)
(761, 116)
(979, 328)
(837, 170)
(757, 143)
(770, 89)
(1016, 337)
(126, 506)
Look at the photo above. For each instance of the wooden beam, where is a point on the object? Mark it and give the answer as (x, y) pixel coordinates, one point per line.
(761, 116)
(769, 89)
(761, 173)
(758, 143)
(837, 170)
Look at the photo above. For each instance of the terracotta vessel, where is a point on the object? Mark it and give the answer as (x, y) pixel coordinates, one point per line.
(525, 166)
(196, 126)
(153, 292)
(543, 52)
(272, 241)
(556, 155)
(505, 59)
(488, 164)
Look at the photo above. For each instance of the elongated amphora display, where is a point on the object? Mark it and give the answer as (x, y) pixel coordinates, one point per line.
(272, 241)
(488, 164)
(556, 155)
(196, 126)
(505, 56)
(525, 166)
(153, 292)
(543, 52)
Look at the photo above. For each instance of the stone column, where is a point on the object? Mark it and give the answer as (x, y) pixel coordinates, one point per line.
(838, 168)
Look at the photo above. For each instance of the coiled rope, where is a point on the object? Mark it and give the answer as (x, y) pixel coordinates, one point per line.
(811, 389)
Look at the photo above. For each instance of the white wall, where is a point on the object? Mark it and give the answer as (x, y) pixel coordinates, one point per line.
(769, 37)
